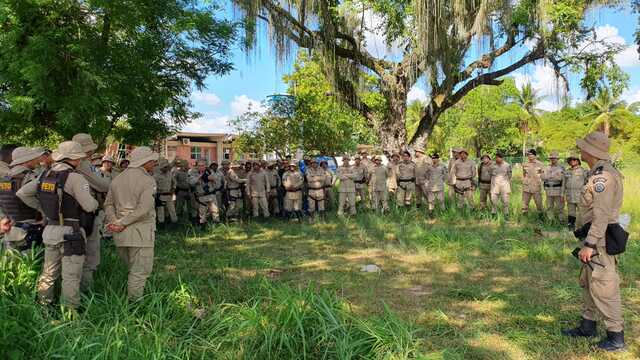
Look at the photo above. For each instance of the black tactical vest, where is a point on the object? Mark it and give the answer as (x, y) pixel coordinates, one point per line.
(11, 205)
(53, 198)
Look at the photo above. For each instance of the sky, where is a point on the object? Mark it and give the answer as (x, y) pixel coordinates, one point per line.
(259, 75)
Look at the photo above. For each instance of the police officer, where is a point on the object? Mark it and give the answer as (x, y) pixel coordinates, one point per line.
(392, 180)
(64, 197)
(531, 182)
(315, 183)
(5, 158)
(233, 184)
(276, 184)
(406, 180)
(205, 184)
(130, 215)
(329, 181)
(347, 187)
(422, 163)
(601, 201)
(553, 180)
(23, 219)
(378, 186)
(574, 180)
(258, 187)
(500, 184)
(361, 177)
(166, 189)
(484, 179)
(293, 181)
(463, 174)
(215, 171)
(455, 155)
(106, 169)
(435, 178)
(184, 204)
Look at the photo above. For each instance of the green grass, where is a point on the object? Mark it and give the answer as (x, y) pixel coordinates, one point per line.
(463, 286)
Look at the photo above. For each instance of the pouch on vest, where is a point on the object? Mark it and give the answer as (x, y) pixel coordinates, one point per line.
(615, 237)
(74, 244)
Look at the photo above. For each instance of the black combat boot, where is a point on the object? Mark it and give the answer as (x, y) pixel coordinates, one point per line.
(587, 328)
(613, 342)
(571, 222)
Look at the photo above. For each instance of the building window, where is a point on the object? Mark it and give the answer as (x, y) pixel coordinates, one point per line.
(227, 154)
(196, 153)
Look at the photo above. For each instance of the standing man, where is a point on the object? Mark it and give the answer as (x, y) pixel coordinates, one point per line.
(406, 180)
(328, 185)
(258, 188)
(422, 163)
(183, 190)
(455, 155)
(23, 230)
(347, 188)
(392, 180)
(553, 178)
(315, 181)
(215, 171)
(500, 184)
(233, 185)
(205, 184)
(435, 179)
(64, 197)
(484, 180)
(601, 201)
(574, 180)
(131, 218)
(106, 169)
(361, 177)
(378, 186)
(166, 188)
(531, 182)
(99, 187)
(5, 158)
(276, 183)
(463, 174)
(293, 181)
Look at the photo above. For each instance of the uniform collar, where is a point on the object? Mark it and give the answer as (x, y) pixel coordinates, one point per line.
(60, 166)
(19, 169)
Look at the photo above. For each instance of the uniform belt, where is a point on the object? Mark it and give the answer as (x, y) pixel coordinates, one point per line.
(235, 188)
(359, 181)
(316, 188)
(294, 190)
(485, 182)
(407, 180)
(555, 183)
(166, 193)
(183, 189)
(464, 179)
(66, 222)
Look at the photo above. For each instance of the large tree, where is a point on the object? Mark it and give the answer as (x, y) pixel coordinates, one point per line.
(121, 68)
(454, 45)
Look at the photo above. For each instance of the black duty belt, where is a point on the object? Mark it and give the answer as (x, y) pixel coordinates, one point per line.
(464, 179)
(553, 184)
(359, 181)
(165, 194)
(235, 188)
(485, 182)
(183, 189)
(316, 188)
(407, 180)
(293, 190)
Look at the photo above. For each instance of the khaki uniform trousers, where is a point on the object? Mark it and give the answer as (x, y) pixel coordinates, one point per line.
(500, 197)
(601, 291)
(260, 203)
(361, 193)
(433, 196)
(92, 257)
(485, 194)
(421, 195)
(184, 203)
(328, 197)
(293, 203)
(555, 206)
(208, 206)
(464, 194)
(347, 199)
(235, 207)
(315, 198)
(526, 199)
(404, 193)
(56, 264)
(170, 208)
(380, 200)
(572, 209)
(274, 203)
(139, 261)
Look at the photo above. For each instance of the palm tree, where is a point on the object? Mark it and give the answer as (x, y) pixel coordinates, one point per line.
(607, 112)
(528, 99)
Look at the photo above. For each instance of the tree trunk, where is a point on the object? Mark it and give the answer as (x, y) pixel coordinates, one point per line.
(606, 127)
(392, 130)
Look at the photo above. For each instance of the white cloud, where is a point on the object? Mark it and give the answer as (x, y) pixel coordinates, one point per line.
(242, 104)
(208, 124)
(416, 93)
(609, 34)
(628, 57)
(631, 96)
(544, 81)
(210, 99)
(375, 37)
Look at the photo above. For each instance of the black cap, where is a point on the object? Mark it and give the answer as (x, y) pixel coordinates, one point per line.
(532, 152)
(435, 156)
(500, 155)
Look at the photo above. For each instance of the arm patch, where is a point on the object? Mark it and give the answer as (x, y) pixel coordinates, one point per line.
(599, 187)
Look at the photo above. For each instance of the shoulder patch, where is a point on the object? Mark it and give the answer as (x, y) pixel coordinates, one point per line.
(86, 187)
(599, 180)
(599, 187)
(598, 170)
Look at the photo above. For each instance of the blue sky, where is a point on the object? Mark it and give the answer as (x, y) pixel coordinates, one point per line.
(259, 76)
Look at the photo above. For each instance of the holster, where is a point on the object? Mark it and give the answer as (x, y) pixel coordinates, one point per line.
(74, 244)
(33, 237)
(615, 237)
(86, 221)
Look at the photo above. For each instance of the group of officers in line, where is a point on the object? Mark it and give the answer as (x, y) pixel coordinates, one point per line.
(71, 198)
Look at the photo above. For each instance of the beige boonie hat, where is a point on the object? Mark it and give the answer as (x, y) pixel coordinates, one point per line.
(21, 155)
(554, 155)
(108, 158)
(142, 155)
(457, 149)
(225, 162)
(421, 151)
(462, 150)
(85, 141)
(163, 163)
(68, 150)
(596, 143)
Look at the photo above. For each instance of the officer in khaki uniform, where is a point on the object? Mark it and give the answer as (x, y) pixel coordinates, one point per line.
(22, 219)
(315, 184)
(347, 187)
(406, 180)
(531, 182)
(5, 158)
(484, 180)
(205, 184)
(378, 185)
(435, 178)
(183, 189)
(329, 181)
(455, 155)
(99, 187)
(62, 195)
(392, 180)
(233, 184)
(361, 177)
(463, 174)
(553, 180)
(602, 197)
(130, 209)
(276, 183)
(500, 184)
(215, 171)
(292, 181)
(422, 163)
(574, 179)
(258, 187)
(106, 169)
(166, 188)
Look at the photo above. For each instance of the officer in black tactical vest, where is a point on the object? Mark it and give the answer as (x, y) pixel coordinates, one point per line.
(64, 197)
(25, 231)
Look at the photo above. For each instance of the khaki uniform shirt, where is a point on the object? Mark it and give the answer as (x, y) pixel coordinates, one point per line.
(553, 177)
(233, 184)
(274, 181)
(422, 166)
(166, 185)
(601, 200)
(435, 178)
(77, 186)
(406, 173)
(4, 169)
(182, 179)
(361, 175)
(531, 172)
(215, 182)
(328, 178)
(29, 175)
(484, 175)
(463, 173)
(501, 178)
(315, 182)
(392, 180)
(98, 183)
(131, 203)
(292, 182)
(450, 179)
(378, 180)
(574, 180)
(346, 176)
(258, 183)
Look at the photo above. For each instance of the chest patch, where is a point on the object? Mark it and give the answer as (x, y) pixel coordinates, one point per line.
(599, 187)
